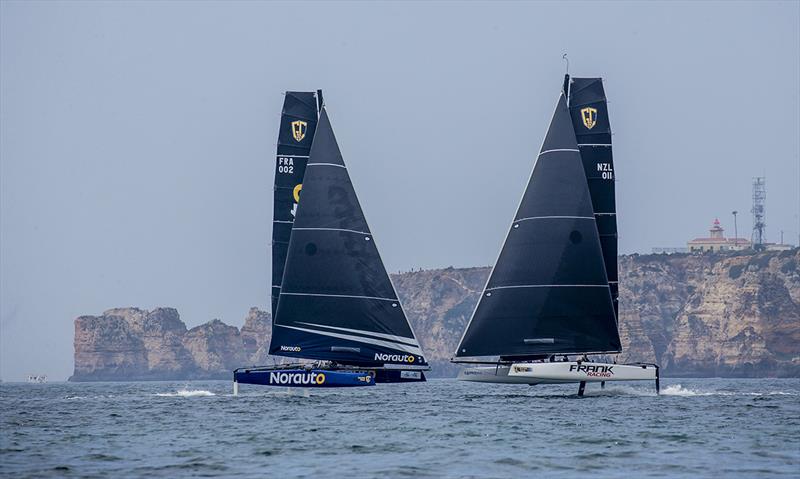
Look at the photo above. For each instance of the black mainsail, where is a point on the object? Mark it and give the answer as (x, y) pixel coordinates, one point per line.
(548, 292)
(337, 301)
(589, 111)
(298, 124)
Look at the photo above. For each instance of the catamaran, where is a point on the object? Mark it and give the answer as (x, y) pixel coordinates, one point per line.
(333, 301)
(553, 291)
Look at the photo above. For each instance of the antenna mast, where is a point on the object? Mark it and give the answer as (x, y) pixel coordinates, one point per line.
(759, 212)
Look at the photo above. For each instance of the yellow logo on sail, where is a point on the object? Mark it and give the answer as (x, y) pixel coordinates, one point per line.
(296, 192)
(589, 116)
(299, 128)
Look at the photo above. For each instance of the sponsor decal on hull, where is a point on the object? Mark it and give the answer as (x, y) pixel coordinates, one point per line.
(395, 358)
(296, 379)
(591, 370)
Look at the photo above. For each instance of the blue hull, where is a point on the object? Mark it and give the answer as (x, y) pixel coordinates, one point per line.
(398, 376)
(314, 378)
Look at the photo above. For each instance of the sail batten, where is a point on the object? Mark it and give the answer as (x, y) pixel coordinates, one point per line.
(548, 292)
(337, 301)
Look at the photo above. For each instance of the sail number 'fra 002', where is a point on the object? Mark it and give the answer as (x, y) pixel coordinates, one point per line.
(285, 165)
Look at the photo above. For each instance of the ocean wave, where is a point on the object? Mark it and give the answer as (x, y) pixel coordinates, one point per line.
(678, 390)
(187, 393)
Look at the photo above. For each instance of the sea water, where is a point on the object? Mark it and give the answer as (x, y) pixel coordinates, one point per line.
(444, 428)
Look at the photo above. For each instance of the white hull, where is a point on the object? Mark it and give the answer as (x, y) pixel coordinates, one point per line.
(492, 374)
(559, 373)
(574, 372)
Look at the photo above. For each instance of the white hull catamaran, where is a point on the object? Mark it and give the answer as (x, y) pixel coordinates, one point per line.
(553, 292)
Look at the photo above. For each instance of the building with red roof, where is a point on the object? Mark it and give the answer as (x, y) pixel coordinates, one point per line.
(717, 242)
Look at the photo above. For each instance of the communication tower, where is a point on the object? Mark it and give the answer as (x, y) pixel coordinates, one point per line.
(759, 212)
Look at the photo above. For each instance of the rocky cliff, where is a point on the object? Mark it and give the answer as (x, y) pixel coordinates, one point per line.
(696, 315)
(133, 344)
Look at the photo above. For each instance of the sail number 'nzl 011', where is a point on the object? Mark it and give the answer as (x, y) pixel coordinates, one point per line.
(606, 171)
(285, 165)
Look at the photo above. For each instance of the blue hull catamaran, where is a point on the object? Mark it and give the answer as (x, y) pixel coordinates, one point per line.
(553, 292)
(333, 302)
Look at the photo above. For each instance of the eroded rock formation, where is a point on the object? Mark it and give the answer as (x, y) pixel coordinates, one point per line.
(696, 315)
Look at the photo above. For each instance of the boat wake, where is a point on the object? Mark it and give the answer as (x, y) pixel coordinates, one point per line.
(187, 393)
(680, 391)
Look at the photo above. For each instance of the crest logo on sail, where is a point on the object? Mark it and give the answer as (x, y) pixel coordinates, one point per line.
(299, 128)
(589, 116)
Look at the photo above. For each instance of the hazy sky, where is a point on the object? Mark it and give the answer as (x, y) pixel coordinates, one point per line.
(137, 140)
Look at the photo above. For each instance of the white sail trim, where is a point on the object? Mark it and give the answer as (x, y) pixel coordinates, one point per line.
(339, 296)
(293, 156)
(550, 286)
(555, 217)
(326, 164)
(332, 229)
(390, 337)
(559, 149)
(594, 144)
(360, 339)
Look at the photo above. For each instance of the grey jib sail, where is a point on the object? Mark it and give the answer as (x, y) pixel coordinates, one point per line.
(336, 301)
(298, 124)
(548, 292)
(589, 112)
